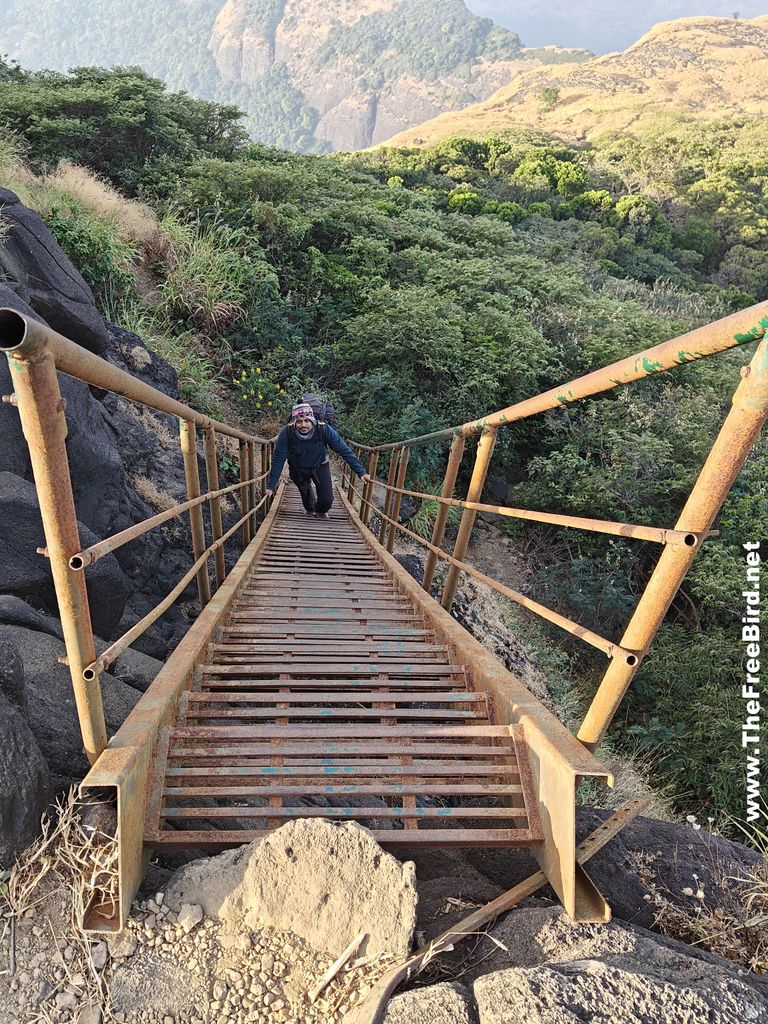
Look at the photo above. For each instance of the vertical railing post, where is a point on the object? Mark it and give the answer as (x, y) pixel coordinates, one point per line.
(263, 485)
(212, 477)
(252, 497)
(188, 436)
(365, 506)
(479, 473)
(351, 488)
(270, 455)
(245, 493)
(41, 408)
(397, 498)
(732, 445)
(449, 483)
(394, 455)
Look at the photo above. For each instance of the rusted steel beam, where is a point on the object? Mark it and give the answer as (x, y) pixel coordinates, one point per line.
(245, 493)
(655, 534)
(214, 505)
(188, 437)
(105, 547)
(26, 337)
(477, 482)
(739, 432)
(388, 498)
(116, 648)
(737, 329)
(122, 771)
(449, 483)
(402, 469)
(41, 409)
(610, 649)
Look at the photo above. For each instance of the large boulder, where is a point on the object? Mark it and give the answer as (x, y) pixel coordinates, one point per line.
(45, 278)
(27, 574)
(50, 701)
(536, 964)
(24, 789)
(24, 784)
(322, 881)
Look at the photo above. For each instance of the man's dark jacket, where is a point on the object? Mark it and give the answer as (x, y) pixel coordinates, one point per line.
(309, 453)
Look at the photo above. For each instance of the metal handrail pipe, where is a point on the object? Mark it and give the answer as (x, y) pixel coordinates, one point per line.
(25, 338)
(90, 672)
(740, 328)
(612, 650)
(651, 533)
(117, 540)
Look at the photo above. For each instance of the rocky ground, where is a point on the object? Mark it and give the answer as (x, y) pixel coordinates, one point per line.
(249, 937)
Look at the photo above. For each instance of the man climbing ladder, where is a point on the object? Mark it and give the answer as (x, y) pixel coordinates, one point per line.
(304, 442)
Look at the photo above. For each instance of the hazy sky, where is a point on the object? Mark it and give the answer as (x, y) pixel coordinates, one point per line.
(600, 25)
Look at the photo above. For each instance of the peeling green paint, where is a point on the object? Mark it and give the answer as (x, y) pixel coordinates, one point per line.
(754, 333)
(652, 365)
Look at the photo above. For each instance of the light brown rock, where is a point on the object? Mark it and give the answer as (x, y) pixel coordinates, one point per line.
(322, 881)
(447, 1003)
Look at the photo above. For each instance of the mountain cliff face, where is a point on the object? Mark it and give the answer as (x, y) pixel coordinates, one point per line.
(310, 74)
(705, 67)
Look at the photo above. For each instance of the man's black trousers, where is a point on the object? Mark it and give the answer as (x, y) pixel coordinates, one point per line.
(322, 498)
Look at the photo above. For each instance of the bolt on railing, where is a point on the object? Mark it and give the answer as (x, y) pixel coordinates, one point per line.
(35, 353)
(736, 437)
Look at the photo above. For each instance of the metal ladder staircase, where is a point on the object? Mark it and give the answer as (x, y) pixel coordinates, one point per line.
(326, 694)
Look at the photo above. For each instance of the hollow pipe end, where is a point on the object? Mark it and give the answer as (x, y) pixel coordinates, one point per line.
(13, 329)
(89, 673)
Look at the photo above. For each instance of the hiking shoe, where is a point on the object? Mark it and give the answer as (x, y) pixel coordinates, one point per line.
(322, 515)
(309, 512)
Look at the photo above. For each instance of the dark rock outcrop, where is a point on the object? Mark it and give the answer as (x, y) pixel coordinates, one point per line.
(24, 784)
(24, 790)
(45, 278)
(113, 449)
(648, 855)
(51, 711)
(27, 574)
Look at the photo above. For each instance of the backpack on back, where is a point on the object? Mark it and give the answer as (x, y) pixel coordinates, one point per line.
(322, 409)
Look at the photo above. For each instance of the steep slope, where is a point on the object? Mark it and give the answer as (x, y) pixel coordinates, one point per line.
(707, 67)
(310, 74)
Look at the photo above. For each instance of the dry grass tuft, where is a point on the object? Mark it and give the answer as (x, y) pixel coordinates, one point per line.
(75, 862)
(151, 421)
(135, 221)
(736, 929)
(148, 490)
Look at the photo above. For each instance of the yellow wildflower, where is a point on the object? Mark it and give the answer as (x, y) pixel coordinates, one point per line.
(269, 403)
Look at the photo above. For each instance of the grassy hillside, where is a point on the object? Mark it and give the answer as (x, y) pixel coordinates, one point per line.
(422, 287)
(702, 67)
